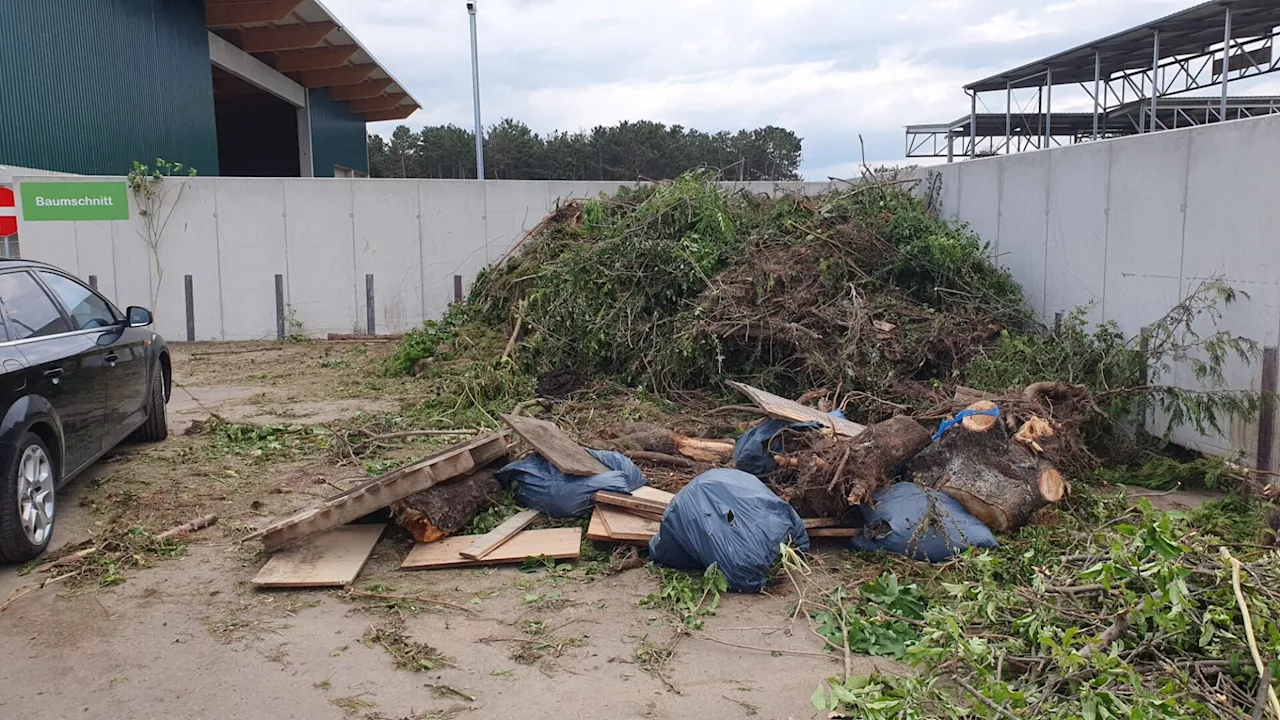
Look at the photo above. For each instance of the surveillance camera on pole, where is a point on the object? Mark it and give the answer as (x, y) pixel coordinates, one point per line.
(475, 90)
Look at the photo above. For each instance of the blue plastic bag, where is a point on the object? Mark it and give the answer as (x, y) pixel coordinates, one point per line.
(892, 523)
(727, 517)
(754, 450)
(540, 486)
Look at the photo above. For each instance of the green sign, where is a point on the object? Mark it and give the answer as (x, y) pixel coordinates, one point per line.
(98, 200)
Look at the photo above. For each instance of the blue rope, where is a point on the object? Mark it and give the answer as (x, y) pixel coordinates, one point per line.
(946, 424)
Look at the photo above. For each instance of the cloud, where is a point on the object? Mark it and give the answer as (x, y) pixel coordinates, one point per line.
(828, 69)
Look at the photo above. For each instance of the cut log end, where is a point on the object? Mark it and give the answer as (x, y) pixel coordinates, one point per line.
(980, 423)
(1052, 487)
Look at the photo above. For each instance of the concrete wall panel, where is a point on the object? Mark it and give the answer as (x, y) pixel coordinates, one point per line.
(1231, 206)
(979, 204)
(323, 291)
(189, 246)
(251, 252)
(453, 238)
(1077, 236)
(95, 253)
(387, 245)
(1022, 220)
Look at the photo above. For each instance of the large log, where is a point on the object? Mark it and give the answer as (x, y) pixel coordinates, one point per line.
(445, 509)
(1000, 480)
(842, 471)
(666, 442)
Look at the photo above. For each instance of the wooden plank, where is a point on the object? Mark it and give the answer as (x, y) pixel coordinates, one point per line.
(331, 559)
(553, 444)
(382, 491)
(491, 540)
(654, 494)
(785, 409)
(623, 526)
(834, 532)
(815, 523)
(599, 532)
(630, 502)
(559, 543)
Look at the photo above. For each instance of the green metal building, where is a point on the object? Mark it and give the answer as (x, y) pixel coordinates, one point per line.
(266, 88)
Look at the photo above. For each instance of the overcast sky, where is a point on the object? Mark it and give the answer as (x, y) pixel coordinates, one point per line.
(827, 69)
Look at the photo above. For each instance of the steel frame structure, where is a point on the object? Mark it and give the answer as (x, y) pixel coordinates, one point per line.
(1128, 76)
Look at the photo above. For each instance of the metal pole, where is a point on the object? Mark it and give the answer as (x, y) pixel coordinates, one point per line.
(973, 124)
(1226, 63)
(1155, 76)
(1008, 116)
(1048, 107)
(1097, 83)
(475, 91)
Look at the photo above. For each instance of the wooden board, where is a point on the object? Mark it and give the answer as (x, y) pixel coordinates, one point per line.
(553, 444)
(493, 539)
(654, 494)
(382, 491)
(559, 543)
(623, 526)
(598, 531)
(330, 559)
(785, 409)
(834, 532)
(814, 523)
(630, 502)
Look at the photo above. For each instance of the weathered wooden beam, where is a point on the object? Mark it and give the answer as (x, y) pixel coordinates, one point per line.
(399, 113)
(377, 104)
(366, 89)
(320, 58)
(336, 76)
(287, 37)
(221, 13)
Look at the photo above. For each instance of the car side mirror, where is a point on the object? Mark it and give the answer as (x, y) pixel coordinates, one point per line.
(138, 316)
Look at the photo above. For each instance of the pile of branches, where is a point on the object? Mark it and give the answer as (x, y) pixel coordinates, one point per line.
(676, 285)
(1145, 616)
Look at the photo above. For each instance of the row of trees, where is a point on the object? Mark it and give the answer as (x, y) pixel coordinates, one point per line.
(627, 151)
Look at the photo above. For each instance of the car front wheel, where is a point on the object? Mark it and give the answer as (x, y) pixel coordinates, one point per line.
(27, 501)
(156, 427)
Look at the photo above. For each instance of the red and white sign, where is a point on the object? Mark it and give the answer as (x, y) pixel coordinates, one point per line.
(8, 213)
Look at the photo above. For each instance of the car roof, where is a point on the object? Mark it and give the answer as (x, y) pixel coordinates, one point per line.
(13, 263)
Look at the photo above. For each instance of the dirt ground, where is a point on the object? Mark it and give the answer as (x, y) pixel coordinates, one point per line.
(188, 637)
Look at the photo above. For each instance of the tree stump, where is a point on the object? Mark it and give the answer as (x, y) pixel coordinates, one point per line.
(999, 480)
(444, 509)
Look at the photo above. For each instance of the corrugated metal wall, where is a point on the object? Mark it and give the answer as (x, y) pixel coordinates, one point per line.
(89, 86)
(337, 136)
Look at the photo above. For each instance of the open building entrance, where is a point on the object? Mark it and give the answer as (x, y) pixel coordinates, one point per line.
(257, 131)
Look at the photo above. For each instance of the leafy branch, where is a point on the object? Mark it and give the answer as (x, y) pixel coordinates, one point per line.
(151, 191)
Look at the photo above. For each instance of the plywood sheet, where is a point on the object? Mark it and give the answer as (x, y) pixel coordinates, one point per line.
(330, 559)
(630, 502)
(624, 526)
(556, 543)
(785, 409)
(553, 444)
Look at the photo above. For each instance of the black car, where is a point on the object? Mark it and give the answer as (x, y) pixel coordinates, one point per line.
(79, 377)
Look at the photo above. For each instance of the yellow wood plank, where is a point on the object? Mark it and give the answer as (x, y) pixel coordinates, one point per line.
(330, 559)
(559, 543)
(493, 539)
(785, 409)
(553, 444)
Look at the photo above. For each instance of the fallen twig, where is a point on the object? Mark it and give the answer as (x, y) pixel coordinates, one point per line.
(714, 639)
(199, 523)
(406, 598)
(442, 689)
(1109, 636)
(983, 699)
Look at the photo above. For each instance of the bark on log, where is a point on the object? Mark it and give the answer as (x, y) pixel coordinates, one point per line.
(666, 442)
(844, 471)
(446, 508)
(1000, 481)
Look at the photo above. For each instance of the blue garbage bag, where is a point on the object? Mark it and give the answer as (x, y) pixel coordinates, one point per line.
(540, 486)
(754, 450)
(920, 523)
(729, 518)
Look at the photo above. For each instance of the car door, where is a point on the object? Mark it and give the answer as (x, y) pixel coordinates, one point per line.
(124, 352)
(64, 365)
